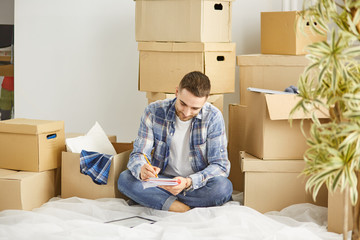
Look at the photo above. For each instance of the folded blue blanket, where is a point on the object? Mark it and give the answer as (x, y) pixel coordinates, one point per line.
(96, 165)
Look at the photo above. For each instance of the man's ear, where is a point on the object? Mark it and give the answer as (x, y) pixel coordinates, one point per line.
(176, 91)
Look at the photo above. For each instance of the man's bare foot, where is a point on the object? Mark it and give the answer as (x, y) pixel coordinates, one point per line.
(178, 206)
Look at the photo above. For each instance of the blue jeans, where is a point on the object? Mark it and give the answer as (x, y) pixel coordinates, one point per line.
(216, 192)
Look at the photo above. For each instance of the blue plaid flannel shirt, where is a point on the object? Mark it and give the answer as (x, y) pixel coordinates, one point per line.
(208, 143)
(96, 165)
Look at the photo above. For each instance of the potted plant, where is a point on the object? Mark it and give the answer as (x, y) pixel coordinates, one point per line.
(331, 84)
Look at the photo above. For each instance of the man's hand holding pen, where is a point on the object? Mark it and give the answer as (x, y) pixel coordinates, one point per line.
(148, 171)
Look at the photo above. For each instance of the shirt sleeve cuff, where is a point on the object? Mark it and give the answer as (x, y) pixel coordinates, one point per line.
(196, 181)
(136, 171)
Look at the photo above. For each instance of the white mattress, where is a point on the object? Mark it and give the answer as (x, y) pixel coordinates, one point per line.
(77, 218)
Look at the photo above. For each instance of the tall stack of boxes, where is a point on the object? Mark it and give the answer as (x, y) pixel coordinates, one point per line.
(176, 37)
(260, 136)
(30, 155)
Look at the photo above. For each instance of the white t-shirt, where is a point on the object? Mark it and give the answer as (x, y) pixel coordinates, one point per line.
(179, 161)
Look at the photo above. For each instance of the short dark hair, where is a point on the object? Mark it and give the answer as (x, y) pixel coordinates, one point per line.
(197, 83)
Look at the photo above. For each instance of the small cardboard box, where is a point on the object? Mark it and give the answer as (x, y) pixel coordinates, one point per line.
(163, 65)
(74, 183)
(31, 145)
(275, 72)
(282, 34)
(336, 202)
(215, 99)
(183, 20)
(269, 134)
(236, 143)
(274, 185)
(25, 190)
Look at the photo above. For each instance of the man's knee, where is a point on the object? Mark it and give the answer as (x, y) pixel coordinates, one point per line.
(223, 189)
(124, 180)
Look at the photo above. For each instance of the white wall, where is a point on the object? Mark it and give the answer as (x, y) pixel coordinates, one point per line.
(77, 61)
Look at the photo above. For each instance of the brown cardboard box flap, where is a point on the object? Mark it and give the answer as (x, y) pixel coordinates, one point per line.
(280, 105)
(30, 126)
(253, 164)
(122, 147)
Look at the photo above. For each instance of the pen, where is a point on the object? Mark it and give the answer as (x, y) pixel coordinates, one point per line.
(149, 163)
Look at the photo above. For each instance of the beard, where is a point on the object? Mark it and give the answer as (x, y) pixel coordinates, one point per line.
(182, 116)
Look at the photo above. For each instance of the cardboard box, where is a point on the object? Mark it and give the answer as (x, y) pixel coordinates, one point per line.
(274, 185)
(74, 183)
(236, 143)
(25, 190)
(31, 145)
(275, 72)
(183, 20)
(164, 64)
(268, 131)
(336, 202)
(216, 99)
(282, 34)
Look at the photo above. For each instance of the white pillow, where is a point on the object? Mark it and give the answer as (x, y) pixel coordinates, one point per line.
(95, 140)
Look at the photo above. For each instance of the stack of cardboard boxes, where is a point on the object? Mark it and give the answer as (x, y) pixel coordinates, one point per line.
(176, 37)
(30, 155)
(35, 166)
(273, 150)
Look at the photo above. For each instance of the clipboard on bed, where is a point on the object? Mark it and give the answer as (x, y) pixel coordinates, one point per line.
(132, 221)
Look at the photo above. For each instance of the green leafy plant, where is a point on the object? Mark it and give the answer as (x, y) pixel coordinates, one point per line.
(331, 84)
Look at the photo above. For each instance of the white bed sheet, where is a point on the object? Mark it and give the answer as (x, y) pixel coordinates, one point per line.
(77, 218)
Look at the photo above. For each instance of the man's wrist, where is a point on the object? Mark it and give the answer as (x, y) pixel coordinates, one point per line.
(188, 183)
